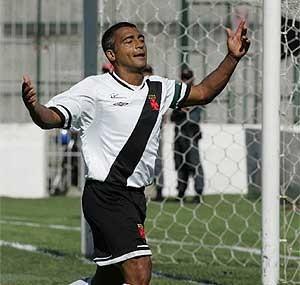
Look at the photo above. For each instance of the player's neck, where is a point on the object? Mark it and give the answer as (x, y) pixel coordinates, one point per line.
(133, 78)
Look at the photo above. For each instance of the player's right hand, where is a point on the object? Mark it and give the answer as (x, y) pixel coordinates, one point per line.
(238, 42)
(29, 93)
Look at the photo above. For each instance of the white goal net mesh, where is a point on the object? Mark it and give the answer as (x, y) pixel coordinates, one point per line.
(290, 146)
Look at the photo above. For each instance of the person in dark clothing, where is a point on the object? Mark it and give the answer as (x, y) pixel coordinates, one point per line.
(186, 150)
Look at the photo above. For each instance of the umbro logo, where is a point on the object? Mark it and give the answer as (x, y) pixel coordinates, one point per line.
(120, 104)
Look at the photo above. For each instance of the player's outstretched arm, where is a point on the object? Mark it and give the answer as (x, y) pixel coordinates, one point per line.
(238, 45)
(42, 116)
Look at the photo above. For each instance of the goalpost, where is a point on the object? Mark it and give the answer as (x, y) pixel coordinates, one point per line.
(271, 142)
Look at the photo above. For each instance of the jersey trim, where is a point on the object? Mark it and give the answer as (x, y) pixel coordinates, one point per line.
(131, 153)
(178, 86)
(69, 114)
(186, 95)
(108, 260)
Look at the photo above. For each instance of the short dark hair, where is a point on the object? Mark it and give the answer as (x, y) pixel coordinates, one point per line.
(108, 36)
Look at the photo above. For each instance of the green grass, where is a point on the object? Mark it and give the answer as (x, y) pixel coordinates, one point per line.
(184, 241)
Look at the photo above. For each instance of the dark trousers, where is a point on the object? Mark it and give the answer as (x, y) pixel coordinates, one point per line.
(158, 174)
(158, 169)
(188, 163)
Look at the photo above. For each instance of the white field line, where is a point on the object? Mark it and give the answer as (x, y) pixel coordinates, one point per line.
(170, 277)
(35, 225)
(233, 247)
(14, 218)
(32, 248)
(255, 251)
(26, 247)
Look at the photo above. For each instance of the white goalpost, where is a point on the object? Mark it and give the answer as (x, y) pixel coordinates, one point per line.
(271, 142)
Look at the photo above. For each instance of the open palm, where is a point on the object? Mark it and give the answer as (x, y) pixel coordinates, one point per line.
(237, 42)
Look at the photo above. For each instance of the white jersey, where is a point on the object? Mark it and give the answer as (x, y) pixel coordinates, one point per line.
(119, 124)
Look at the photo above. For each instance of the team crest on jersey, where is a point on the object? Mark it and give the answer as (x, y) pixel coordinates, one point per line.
(153, 102)
(141, 231)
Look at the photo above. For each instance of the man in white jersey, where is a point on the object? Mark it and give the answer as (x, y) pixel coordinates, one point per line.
(118, 117)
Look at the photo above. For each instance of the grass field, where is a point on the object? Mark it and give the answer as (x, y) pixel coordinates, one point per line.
(215, 242)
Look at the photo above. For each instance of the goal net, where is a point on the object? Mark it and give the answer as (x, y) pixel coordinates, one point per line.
(290, 159)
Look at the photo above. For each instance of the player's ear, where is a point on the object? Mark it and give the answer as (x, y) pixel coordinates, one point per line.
(110, 55)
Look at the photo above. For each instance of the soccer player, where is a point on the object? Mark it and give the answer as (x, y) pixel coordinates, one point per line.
(118, 117)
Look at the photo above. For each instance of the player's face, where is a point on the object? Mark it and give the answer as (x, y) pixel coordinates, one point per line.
(130, 49)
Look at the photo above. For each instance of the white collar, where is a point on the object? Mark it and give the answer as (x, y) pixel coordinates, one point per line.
(133, 87)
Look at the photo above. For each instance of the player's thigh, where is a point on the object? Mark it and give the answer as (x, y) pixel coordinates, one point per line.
(110, 274)
(137, 270)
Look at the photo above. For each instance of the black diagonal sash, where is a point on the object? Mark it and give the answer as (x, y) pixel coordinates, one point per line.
(131, 153)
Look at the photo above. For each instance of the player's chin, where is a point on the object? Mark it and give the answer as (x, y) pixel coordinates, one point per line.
(140, 62)
(140, 66)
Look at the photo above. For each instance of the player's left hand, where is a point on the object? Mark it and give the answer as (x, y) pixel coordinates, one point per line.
(237, 42)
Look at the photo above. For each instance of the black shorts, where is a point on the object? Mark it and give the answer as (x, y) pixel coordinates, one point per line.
(116, 216)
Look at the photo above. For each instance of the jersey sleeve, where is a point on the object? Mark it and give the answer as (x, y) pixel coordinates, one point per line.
(76, 106)
(177, 93)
